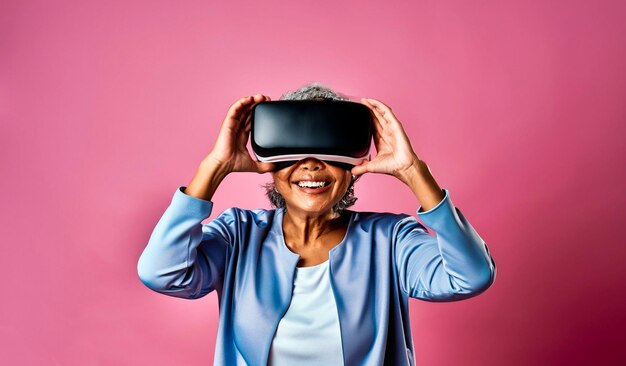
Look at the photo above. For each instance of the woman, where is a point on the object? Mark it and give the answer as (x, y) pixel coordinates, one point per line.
(310, 282)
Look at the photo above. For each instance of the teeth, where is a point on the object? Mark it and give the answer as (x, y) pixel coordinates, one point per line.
(311, 184)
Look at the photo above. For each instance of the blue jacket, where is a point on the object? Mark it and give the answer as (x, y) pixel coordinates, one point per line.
(382, 261)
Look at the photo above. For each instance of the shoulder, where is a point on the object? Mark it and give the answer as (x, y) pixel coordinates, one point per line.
(386, 221)
(367, 218)
(234, 222)
(240, 216)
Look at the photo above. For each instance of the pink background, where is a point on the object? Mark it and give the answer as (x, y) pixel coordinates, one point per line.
(106, 107)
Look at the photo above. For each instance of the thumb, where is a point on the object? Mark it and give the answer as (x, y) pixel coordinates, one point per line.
(264, 167)
(360, 169)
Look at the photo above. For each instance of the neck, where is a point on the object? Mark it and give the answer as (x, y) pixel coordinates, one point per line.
(304, 229)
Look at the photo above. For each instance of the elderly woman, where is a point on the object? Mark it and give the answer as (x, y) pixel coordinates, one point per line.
(310, 282)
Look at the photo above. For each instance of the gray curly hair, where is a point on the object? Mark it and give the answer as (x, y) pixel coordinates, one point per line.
(313, 91)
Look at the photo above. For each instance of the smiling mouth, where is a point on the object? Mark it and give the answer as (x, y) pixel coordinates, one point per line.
(310, 184)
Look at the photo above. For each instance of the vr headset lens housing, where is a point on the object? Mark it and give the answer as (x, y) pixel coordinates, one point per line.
(338, 132)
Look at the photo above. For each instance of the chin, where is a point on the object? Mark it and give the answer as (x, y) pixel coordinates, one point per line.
(312, 210)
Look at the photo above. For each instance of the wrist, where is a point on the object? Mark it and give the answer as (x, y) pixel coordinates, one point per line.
(414, 172)
(208, 177)
(421, 181)
(214, 167)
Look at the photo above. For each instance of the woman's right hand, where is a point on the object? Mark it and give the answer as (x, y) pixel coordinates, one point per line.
(230, 153)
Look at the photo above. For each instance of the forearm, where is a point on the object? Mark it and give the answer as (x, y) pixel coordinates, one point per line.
(170, 263)
(206, 180)
(454, 265)
(468, 265)
(420, 180)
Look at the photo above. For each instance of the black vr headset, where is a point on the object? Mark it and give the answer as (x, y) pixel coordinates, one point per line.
(337, 132)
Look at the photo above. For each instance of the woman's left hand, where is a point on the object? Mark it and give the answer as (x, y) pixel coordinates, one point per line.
(396, 157)
(394, 154)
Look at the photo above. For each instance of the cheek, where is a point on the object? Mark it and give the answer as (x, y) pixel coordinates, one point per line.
(278, 179)
(347, 179)
(345, 184)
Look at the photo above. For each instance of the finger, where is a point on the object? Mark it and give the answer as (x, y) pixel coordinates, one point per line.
(360, 169)
(246, 126)
(232, 122)
(378, 103)
(238, 106)
(378, 128)
(243, 135)
(242, 139)
(376, 117)
(245, 123)
(389, 127)
(378, 141)
(376, 110)
(383, 110)
(372, 106)
(246, 116)
(381, 119)
(256, 100)
(378, 133)
(357, 170)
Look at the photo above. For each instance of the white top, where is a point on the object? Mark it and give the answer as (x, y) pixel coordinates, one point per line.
(308, 334)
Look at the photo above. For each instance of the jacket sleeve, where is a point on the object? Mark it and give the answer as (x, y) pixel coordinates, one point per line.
(183, 257)
(454, 265)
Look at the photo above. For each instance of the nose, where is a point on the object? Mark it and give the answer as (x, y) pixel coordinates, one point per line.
(311, 164)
